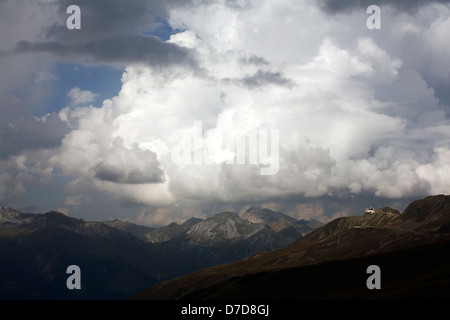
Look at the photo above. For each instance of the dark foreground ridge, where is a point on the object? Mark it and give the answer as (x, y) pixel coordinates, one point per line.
(411, 249)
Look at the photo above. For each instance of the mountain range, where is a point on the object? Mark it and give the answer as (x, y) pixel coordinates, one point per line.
(410, 248)
(120, 258)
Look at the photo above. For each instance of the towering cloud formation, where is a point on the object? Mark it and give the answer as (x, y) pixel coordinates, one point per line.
(358, 111)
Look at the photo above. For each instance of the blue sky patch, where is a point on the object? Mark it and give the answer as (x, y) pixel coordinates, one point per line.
(105, 81)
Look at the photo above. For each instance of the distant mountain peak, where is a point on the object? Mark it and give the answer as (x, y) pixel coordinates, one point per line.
(221, 227)
(8, 211)
(280, 224)
(264, 215)
(190, 222)
(10, 215)
(258, 209)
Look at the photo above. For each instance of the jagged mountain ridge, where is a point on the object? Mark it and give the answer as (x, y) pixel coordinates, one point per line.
(262, 215)
(117, 257)
(171, 231)
(228, 236)
(222, 227)
(279, 221)
(354, 241)
(230, 226)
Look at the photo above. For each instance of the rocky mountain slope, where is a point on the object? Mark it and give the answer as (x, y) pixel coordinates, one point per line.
(227, 236)
(331, 261)
(172, 231)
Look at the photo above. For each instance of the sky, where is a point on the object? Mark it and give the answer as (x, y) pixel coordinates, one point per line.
(158, 111)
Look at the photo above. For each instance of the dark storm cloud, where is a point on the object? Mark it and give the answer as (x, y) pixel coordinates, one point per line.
(27, 133)
(120, 49)
(112, 32)
(129, 166)
(338, 6)
(109, 17)
(116, 174)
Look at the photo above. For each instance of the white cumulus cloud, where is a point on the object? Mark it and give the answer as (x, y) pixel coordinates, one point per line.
(356, 111)
(79, 97)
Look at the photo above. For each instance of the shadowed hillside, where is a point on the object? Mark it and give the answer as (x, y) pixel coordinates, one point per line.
(411, 248)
